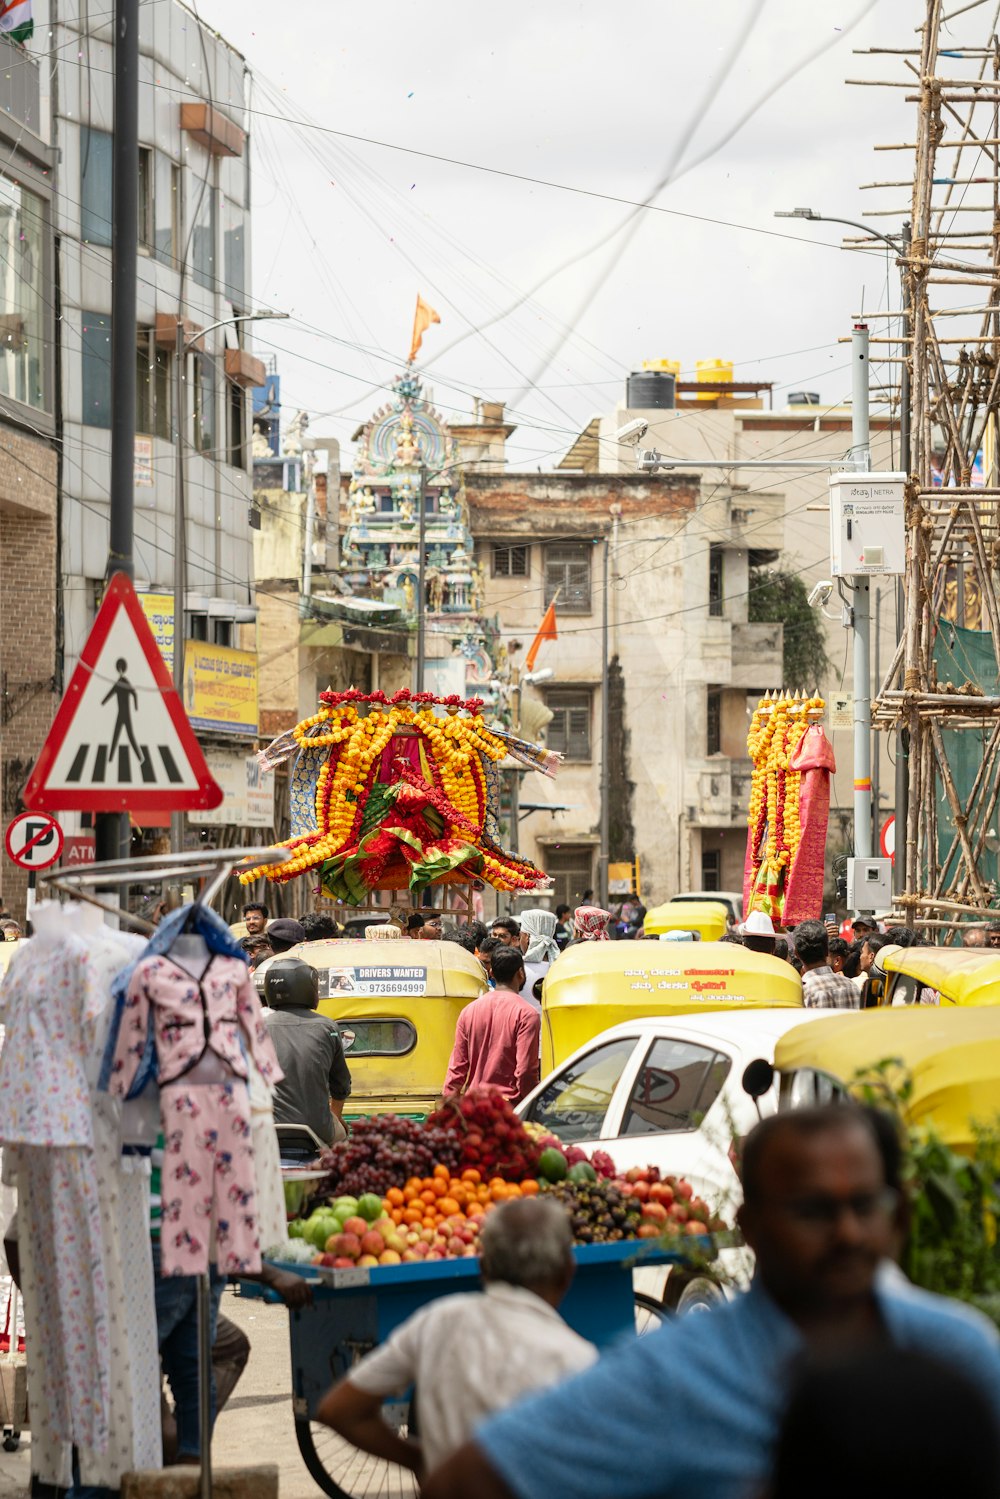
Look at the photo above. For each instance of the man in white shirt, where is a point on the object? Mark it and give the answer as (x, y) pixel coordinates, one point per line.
(470, 1355)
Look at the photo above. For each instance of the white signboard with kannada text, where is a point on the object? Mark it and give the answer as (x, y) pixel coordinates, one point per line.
(248, 793)
(698, 982)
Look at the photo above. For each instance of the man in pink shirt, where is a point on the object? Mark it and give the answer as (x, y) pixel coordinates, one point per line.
(497, 1036)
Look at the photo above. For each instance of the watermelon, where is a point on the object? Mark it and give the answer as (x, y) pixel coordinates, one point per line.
(370, 1206)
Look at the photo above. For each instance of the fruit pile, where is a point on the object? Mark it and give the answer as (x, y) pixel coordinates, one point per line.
(669, 1205)
(600, 1211)
(385, 1150)
(488, 1134)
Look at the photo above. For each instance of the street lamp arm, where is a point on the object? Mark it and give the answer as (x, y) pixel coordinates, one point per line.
(826, 218)
(242, 317)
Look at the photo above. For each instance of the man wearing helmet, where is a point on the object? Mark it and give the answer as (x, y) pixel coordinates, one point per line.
(310, 1052)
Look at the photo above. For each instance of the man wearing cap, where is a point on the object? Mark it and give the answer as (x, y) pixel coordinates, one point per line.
(758, 932)
(862, 927)
(284, 932)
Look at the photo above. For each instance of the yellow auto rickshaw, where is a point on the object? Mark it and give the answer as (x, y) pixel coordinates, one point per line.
(959, 975)
(593, 985)
(951, 1055)
(709, 919)
(396, 1005)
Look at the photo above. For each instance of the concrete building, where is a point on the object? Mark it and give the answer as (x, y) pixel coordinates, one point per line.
(683, 663)
(193, 269)
(29, 464)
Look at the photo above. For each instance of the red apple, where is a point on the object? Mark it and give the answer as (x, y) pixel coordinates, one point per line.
(372, 1243)
(389, 1257)
(654, 1212)
(640, 1189)
(357, 1226)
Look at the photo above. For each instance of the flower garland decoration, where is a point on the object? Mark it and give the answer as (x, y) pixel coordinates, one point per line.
(401, 798)
(774, 829)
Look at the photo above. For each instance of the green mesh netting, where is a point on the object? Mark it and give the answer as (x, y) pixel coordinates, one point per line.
(965, 656)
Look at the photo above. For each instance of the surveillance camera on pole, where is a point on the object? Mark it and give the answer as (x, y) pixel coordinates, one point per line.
(633, 432)
(819, 594)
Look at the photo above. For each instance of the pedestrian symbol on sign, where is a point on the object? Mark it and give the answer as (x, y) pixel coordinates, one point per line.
(125, 695)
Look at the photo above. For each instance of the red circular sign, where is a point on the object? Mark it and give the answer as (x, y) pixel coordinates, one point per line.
(34, 840)
(887, 841)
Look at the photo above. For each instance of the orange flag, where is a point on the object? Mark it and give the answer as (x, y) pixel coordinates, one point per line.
(422, 320)
(546, 631)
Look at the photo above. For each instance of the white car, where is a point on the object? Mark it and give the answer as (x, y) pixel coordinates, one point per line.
(668, 1092)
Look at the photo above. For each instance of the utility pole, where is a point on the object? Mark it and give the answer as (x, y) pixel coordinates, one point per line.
(861, 610)
(901, 800)
(421, 574)
(180, 545)
(605, 854)
(112, 832)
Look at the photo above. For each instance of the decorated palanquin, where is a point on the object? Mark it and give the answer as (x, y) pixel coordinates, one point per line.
(789, 809)
(389, 794)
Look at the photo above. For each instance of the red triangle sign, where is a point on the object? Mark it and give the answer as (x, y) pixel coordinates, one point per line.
(121, 741)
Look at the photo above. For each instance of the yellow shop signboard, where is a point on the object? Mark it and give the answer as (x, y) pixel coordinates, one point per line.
(220, 688)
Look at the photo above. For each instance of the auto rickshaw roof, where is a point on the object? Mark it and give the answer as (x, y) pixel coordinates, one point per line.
(952, 1056)
(686, 915)
(964, 975)
(678, 975)
(451, 971)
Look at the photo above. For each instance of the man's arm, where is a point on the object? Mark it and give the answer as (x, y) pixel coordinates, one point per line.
(357, 1416)
(466, 1472)
(526, 1044)
(458, 1066)
(340, 1075)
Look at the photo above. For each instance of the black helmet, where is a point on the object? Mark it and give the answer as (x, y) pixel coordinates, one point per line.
(289, 981)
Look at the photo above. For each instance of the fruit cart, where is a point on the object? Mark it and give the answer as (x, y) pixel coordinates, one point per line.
(354, 1310)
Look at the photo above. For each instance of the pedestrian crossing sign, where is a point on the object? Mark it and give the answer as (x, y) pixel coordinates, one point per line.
(121, 741)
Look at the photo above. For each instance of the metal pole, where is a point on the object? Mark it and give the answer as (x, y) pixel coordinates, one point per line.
(877, 755)
(421, 575)
(112, 833)
(605, 853)
(307, 560)
(902, 777)
(180, 547)
(205, 1386)
(861, 453)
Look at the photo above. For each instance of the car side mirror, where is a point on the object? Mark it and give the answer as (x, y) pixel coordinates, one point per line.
(758, 1077)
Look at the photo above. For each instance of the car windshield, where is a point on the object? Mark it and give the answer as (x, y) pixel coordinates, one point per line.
(574, 1104)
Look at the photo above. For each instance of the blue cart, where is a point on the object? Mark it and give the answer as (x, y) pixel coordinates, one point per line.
(354, 1310)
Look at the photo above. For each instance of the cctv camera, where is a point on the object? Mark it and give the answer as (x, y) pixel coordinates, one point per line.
(632, 432)
(819, 596)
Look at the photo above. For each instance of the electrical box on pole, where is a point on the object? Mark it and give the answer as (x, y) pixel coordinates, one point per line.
(869, 884)
(867, 524)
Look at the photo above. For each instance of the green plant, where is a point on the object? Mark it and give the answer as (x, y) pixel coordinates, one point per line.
(954, 1199)
(777, 597)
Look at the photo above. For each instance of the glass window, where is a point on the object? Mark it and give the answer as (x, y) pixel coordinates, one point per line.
(96, 359)
(711, 869)
(568, 733)
(166, 208)
(511, 562)
(204, 404)
(145, 398)
(567, 573)
(570, 868)
(576, 1101)
(152, 387)
(715, 580)
(197, 627)
(677, 1085)
(22, 306)
(204, 241)
(713, 722)
(145, 198)
(234, 240)
(95, 186)
(377, 1038)
(222, 632)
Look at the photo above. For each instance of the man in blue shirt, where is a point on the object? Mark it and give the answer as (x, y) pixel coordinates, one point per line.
(695, 1407)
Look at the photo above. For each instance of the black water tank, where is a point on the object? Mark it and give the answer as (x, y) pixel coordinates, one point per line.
(650, 390)
(804, 398)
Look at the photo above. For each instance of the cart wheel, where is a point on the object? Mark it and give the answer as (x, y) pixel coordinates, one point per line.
(650, 1314)
(325, 1455)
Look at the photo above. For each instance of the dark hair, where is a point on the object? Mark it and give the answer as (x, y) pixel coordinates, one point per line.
(490, 945)
(506, 963)
(901, 1400)
(508, 924)
(812, 941)
(781, 948)
(462, 937)
(733, 937)
(256, 905)
(759, 942)
(479, 930)
(903, 936)
(876, 940)
(414, 921)
(838, 948)
(814, 1121)
(318, 926)
(562, 911)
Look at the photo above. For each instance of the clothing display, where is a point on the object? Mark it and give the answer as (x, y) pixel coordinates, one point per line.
(208, 1180)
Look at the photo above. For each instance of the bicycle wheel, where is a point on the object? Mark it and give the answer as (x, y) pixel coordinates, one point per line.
(341, 1471)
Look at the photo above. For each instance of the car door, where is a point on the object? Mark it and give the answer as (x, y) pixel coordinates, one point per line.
(574, 1103)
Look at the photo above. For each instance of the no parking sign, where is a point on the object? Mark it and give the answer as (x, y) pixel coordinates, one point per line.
(34, 840)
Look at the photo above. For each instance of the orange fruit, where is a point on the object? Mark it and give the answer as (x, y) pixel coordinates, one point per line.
(513, 1190)
(397, 1215)
(440, 1187)
(471, 1175)
(413, 1184)
(529, 1188)
(442, 1171)
(395, 1197)
(429, 1196)
(428, 1222)
(412, 1215)
(447, 1206)
(498, 1191)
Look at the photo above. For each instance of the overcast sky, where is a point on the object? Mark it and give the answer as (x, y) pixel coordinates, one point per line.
(596, 97)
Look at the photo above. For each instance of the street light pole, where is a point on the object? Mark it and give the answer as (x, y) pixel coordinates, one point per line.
(605, 853)
(421, 575)
(861, 609)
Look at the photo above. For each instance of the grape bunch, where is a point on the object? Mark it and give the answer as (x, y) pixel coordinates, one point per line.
(488, 1133)
(385, 1151)
(599, 1212)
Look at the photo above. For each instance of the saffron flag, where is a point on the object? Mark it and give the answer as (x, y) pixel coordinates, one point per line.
(15, 19)
(546, 631)
(422, 320)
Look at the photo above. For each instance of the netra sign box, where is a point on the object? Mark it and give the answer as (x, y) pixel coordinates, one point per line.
(867, 524)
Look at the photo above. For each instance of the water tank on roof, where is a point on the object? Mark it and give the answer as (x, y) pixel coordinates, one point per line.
(804, 398)
(714, 371)
(650, 390)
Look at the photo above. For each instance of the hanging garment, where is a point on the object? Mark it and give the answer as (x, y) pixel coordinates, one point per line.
(272, 1219)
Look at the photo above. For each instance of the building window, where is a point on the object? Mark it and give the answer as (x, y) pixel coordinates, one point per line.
(152, 393)
(568, 733)
(197, 627)
(237, 426)
(711, 869)
(203, 241)
(567, 573)
(204, 404)
(144, 206)
(511, 562)
(22, 299)
(571, 870)
(233, 253)
(713, 722)
(96, 361)
(715, 581)
(222, 632)
(95, 186)
(166, 208)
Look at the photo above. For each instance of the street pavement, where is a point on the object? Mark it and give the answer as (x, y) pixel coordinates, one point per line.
(256, 1425)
